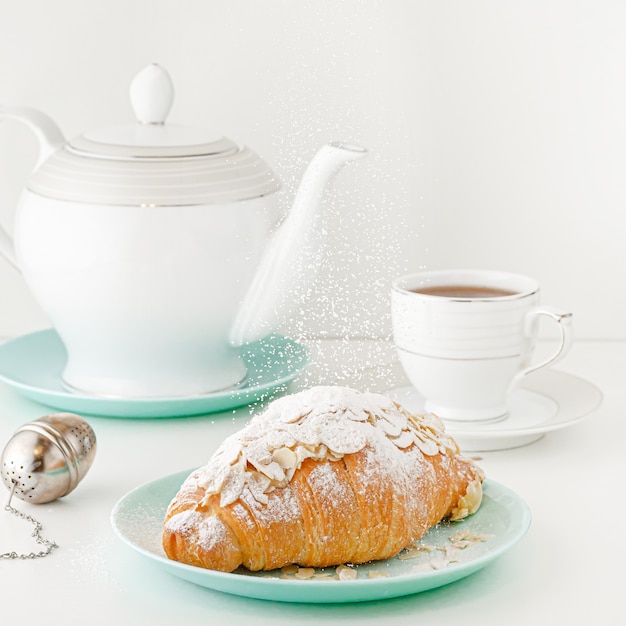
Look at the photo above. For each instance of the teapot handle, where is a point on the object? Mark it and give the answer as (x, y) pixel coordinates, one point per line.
(50, 138)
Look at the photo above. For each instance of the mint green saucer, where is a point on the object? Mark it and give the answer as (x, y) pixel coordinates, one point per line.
(502, 521)
(32, 366)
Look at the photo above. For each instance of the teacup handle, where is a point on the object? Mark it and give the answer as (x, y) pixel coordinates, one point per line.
(531, 325)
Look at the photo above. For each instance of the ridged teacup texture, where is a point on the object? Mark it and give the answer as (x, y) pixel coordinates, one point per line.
(464, 355)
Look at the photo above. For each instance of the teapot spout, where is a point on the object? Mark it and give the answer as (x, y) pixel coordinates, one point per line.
(290, 257)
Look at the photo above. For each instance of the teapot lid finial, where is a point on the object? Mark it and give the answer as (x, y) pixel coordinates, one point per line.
(152, 94)
(154, 163)
(151, 97)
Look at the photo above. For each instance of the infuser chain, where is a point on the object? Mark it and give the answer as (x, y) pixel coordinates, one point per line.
(49, 545)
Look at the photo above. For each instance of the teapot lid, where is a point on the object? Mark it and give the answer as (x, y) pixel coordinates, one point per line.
(151, 97)
(152, 162)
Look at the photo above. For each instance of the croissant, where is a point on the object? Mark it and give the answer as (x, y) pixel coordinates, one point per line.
(323, 477)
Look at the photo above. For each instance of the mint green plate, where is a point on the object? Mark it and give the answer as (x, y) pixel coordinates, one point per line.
(32, 366)
(502, 520)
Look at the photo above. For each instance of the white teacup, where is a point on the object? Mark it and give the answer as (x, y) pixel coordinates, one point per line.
(465, 338)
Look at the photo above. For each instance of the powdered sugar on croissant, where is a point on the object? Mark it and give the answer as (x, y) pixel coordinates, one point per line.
(322, 477)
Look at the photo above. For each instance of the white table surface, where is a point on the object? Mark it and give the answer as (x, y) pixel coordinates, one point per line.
(568, 569)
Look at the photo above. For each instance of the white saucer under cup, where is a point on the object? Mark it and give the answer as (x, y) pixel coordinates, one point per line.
(548, 400)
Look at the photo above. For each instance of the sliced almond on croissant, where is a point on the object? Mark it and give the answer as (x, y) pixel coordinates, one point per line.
(323, 477)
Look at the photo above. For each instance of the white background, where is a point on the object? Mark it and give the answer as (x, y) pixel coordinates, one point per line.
(497, 130)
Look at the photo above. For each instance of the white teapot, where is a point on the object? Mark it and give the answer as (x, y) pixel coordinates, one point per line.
(153, 248)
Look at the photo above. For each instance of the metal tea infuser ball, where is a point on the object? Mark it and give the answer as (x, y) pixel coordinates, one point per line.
(47, 458)
(44, 460)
